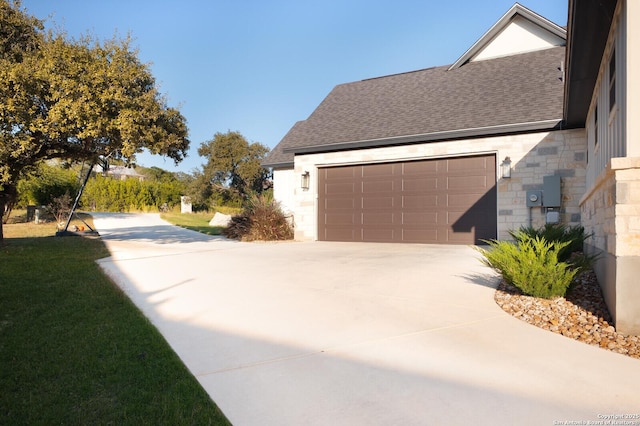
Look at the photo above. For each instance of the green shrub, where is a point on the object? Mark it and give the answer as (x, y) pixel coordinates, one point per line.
(45, 184)
(531, 264)
(574, 235)
(114, 195)
(261, 220)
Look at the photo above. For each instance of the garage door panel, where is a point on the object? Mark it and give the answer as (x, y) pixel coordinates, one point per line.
(466, 218)
(335, 218)
(377, 218)
(376, 187)
(462, 200)
(377, 170)
(466, 164)
(421, 168)
(420, 235)
(450, 201)
(339, 173)
(454, 216)
(454, 237)
(422, 218)
(467, 183)
(378, 235)
(340, 188)
(340, 234)
(417, 184)
(419, 201)
(377, 203)
(339, 203)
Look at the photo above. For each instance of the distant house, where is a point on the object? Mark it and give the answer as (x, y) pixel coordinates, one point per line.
(122, 173)
(528, 126)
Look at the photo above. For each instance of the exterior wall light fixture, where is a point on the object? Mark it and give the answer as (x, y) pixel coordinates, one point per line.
(304, 180)
(506, 168)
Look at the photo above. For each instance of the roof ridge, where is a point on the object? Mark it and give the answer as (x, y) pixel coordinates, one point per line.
(403, 73)
(447, 66)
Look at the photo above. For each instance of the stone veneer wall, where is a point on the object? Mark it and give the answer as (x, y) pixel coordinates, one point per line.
(533, 156)
(560, 153)
(611, 212)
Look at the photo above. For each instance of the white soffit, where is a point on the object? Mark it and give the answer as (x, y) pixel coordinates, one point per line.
(518, 31)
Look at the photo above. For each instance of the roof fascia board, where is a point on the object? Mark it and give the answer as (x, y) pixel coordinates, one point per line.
(516, 9)
(432, 137)
(281, 165)
(589, 24)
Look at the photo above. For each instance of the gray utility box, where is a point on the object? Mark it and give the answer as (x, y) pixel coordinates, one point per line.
(553, 216)
(551, 189)
(534, 198)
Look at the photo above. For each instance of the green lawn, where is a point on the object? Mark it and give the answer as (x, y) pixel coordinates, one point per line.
(195, 221)
(75, 350)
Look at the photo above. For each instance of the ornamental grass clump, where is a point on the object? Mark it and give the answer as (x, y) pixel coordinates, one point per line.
(261, 220)
(531, 264)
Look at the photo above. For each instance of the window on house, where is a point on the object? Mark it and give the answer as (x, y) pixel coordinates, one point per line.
(612, 80)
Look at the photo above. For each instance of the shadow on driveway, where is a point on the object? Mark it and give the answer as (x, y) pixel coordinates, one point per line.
(355, 333)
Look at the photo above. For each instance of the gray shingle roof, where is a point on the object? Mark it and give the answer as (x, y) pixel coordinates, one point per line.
(511, 90)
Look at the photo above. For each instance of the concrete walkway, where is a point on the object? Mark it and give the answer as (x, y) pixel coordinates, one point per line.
(356, 334)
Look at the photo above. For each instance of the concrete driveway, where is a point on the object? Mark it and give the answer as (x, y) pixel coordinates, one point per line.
(356, 334)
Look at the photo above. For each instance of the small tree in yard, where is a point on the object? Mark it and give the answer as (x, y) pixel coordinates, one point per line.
(60, 207)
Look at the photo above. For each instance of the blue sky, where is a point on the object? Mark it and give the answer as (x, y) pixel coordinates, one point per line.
(258, 66)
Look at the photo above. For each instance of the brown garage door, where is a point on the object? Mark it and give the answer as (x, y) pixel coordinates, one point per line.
(450, 201)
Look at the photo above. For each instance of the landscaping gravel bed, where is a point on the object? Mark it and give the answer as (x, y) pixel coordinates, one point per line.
(581, 315)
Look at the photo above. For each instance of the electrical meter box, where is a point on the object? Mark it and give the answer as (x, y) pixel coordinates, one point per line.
(534, 198)
(551, 188)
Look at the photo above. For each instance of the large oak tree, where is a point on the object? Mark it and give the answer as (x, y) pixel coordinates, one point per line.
(233, 165)
(76, 100)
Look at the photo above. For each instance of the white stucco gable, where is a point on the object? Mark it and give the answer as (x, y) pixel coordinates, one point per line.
(518, 31)
(519, 36)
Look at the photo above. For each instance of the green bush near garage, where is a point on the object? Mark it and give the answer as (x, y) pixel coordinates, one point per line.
(575, 236)
(540, 262)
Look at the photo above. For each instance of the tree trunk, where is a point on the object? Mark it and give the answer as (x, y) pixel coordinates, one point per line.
(7, 200)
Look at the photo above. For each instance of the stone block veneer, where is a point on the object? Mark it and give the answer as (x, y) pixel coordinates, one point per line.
(532, 155)
(611, 212)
